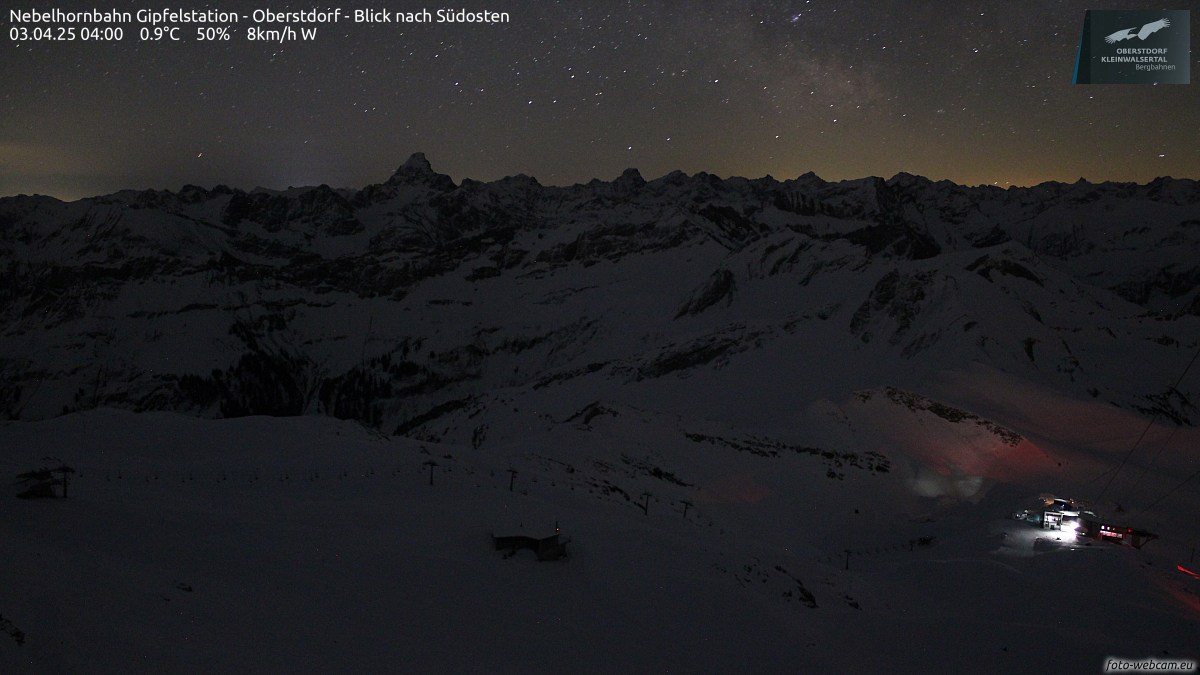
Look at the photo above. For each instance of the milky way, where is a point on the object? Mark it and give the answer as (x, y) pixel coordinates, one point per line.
(974, 92)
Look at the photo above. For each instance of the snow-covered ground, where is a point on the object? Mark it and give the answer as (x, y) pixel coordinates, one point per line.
(784, 424)
(308, 544)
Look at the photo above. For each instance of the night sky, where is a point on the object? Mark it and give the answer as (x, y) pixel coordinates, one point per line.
(976, 92)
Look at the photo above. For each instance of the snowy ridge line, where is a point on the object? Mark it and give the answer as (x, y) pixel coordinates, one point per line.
(382, 304)
(444, 473)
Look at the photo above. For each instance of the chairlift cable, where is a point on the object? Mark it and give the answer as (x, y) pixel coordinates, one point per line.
(1100, 475)
(1127, 456)
(1153, 461)
(1149, 424)
(1172, 491)
(1106, 439)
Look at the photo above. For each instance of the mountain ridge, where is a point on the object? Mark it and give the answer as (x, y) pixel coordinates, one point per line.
(419, 167)
(391, 302)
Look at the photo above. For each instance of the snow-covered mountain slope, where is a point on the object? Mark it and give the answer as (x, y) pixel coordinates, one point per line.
(384, 304)
(314, 544)
(807, 367)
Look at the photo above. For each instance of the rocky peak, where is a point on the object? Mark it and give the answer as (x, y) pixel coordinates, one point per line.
(417, 170)
(631, 177)
(417, 162)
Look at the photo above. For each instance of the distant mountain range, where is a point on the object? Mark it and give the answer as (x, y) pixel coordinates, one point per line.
(450, 311)
(776, 421)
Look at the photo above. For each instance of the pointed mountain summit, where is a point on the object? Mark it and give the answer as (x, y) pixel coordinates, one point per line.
(628, 182)
(417, 170)
(418, 162)
(631, 177)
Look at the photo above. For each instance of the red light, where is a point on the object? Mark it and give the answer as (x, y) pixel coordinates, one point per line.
(1183, 569)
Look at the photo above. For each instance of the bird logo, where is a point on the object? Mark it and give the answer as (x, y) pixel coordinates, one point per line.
(1141, 34)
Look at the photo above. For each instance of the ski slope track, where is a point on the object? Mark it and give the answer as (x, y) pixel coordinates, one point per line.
(783, 424)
